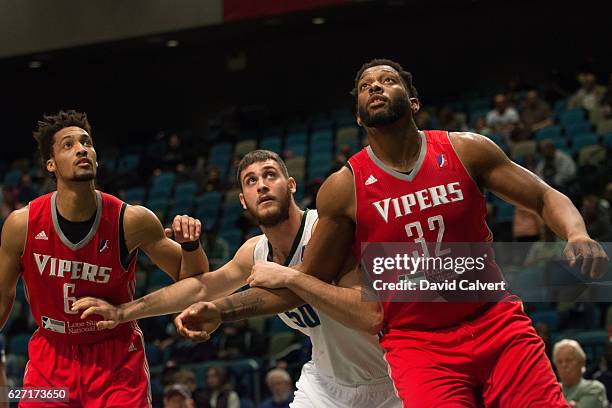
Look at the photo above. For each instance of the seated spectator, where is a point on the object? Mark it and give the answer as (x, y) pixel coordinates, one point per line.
(220, 393)
(281, 387)
(606, 100)
(604, 374)
(213, 180)
(596, 218)
(447, 120)
(556, 167)
(481, 127)
(238, 340)
(174, 157)
(10, 202)
(177, 396)
(217, 249)
(570, 360)
(503, 118)
(589, 95)
(535, 112)
(423, 119)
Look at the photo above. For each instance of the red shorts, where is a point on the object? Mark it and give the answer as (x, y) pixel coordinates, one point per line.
(110, 373)
(496, 360)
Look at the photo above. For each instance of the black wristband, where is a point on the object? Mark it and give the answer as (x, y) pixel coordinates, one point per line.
(190, 246)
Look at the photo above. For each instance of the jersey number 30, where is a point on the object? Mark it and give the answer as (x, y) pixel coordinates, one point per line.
(307, 317)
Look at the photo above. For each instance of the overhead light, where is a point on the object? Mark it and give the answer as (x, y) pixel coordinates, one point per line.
(35, 64)
(172, 43)
(318, 20)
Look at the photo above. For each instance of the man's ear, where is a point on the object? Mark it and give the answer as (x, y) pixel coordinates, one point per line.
(415, 105)
(241, 198)
(50, 166)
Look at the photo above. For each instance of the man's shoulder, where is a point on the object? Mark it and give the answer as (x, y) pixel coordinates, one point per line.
(591, 386)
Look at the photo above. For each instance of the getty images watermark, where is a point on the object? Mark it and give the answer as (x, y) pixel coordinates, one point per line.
(476, 272)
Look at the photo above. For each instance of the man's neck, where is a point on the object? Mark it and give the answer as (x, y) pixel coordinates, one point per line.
(76, 201)
(281, 236)
(396, 145)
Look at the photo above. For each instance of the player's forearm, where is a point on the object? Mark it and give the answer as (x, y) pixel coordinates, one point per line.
(171, 299)
(192, 263)
(256, 302)
(561, 215)
(346, 305)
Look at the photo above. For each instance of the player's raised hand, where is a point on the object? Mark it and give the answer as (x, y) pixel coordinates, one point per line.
(198, 321)
(184, 229)
(270, 275)
(594, 258)
(111, 315)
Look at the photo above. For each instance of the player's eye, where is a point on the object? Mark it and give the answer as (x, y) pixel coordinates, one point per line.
(389, 81)
(67, 145)
(364, 86)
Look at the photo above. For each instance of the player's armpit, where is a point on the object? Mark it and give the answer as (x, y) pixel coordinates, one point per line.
(13, 241)
(332, 239)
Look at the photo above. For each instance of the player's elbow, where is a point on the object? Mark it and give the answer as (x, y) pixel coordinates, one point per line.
(374, 321)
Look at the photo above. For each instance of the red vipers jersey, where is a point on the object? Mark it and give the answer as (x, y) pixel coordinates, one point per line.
(56, 272)
(438, 202)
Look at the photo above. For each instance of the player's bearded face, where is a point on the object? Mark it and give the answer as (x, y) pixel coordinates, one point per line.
(274, 213)
(396, 108)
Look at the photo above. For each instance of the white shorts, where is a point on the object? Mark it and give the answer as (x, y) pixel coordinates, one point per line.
(317, 391)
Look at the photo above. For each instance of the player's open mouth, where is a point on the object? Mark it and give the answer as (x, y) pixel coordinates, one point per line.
(376, 101)
(264, 199)
(83, 162)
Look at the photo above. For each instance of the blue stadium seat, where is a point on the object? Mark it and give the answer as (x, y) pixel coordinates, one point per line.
(154, 354)
(560, 106)
(272, 143)
(180, 208)
(157, 277)
(321, 136)
(575, 128)
(219, 157)
(480, 104)
(128, 163)
(18, 344)
(185, 189)
(505, 212)
(209, 202)
(548, 132)
(233, 238)
(321, 123)
(550, 317)
(584, 139)
(607, 139)
(157, 204)
(135, 195)
(11, 178)
(572, 116)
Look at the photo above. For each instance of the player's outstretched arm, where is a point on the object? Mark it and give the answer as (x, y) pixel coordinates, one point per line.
(176, 297)
(143, 230)
(13, 241)
(492, 169)
(327, 250)
(345, 302)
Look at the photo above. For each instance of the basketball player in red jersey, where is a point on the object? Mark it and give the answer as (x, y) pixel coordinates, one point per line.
(78, 241)
(446, 354)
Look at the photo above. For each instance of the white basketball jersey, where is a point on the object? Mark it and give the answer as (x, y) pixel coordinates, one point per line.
(350, 357)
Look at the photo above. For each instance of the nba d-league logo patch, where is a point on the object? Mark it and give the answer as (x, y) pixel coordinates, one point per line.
(53, 325)
(442, 160)
(103, 245)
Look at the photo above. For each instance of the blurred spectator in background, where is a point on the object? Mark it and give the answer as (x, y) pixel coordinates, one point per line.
(220, 393)
(589, 95)
(481, 127)
(570, 360)
(556, 167)
(606, 101)
(174, 157)
(544, 332)
(281, 387)
(535, 112)
(604, 374)
(9, 201)
(238, 340)
(3, 380)
(217, 248)
(447, 120)
(177, 396)
(27, 190)
(596, 218)
(213, 180)
(423, 119)
(547, 248)
(503, 118)
(310, 197)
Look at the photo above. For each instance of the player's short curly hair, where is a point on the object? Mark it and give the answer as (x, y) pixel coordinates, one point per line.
(50, 125)
(257, 156)
(405, 75)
